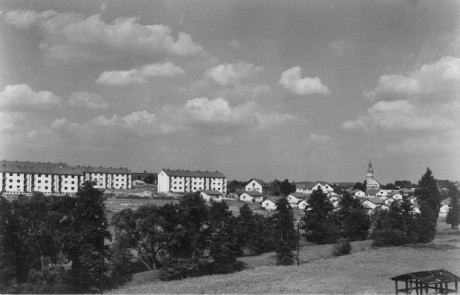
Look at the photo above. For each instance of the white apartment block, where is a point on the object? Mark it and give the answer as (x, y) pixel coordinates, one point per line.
(18, 177)
(185, 181)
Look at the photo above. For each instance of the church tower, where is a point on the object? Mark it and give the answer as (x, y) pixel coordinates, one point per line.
(370, 172)
(371, 183)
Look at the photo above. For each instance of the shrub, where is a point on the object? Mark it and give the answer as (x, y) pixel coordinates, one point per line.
(342, 247)
(389, 237)
(178, 271)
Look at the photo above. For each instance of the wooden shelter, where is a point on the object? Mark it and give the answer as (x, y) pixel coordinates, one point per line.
(427, 282)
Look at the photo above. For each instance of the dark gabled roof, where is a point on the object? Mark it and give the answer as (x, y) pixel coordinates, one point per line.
(272, 198)
(429, 277)
(260, 181)
(38, 168)
(375, 201)
(189, 173)
(212, 192)
(253, 193)
(109, 170)
(299, 195)
(54, 168)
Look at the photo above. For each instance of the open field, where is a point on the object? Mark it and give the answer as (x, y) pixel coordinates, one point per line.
(365, 271)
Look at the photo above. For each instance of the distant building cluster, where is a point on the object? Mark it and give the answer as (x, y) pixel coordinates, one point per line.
(19, 177)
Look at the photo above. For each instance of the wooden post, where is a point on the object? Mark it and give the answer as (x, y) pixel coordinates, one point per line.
(407, 287)
(456, 287)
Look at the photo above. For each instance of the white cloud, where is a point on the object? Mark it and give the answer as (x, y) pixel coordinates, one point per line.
(437, 80)
(88, 100)
(424, 99)
(427, 145)
(231, 74)
(235, 44)
(399, 115)
(219, 111)
(291, 80)
(140, 123)
(20, 97)
(70, 35)
(139, 75)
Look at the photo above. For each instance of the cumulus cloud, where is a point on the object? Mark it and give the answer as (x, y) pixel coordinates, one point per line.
(235, 44)
(88, 100)
(220, 111)
(441, 78)
(399, 115)
(20, 97)
(423, 99)
(140, 123)
(139, 75)
(291, 80)
(231, 74)
(70, 35)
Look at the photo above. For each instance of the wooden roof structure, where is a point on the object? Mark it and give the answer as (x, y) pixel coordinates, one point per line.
(427, 281)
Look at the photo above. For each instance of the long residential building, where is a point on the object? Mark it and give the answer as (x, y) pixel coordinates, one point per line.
(185, 181)
(19, 177)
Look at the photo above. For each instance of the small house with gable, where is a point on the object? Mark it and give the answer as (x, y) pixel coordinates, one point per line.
(252, 197)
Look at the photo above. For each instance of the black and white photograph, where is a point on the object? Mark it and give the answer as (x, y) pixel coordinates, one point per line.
(229, 146)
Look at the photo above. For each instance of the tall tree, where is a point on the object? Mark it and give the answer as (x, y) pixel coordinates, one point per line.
(224, 246)
(275, 187)
(453, 216)
(353, 219)
(193, 214)
(285, 234)
(286, 187)
(83, 241)
(319, 221)
(429, 200)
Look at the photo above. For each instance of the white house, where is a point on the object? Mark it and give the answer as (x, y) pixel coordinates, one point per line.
(254, 185)
(185, 181)
(389, 201)
(395, 196)
(213, 195)
(444, 210)
(358, 193)
(309, 187)
(371, 204)
(269, 203)
(302, 204)
(383, 193)
(295, 198)
(252, 196)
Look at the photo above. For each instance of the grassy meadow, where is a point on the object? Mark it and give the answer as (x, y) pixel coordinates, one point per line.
(365, 271)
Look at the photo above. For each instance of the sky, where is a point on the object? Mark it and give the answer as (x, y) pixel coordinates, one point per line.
(299, 90)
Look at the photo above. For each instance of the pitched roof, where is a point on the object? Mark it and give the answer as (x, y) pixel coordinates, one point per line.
(300, 195)
(54, 168)
(253, 193)
(212, 192)
(429, 277)
(375, 201)
(197, 173)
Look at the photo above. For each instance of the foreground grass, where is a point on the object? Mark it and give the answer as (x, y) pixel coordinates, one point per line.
(367, 271)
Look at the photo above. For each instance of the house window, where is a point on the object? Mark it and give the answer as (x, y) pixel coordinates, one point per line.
(11, 180)
(10, 186)
(18, 180)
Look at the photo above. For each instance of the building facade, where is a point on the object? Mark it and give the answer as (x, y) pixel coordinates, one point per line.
(186, 181)
(22, 177)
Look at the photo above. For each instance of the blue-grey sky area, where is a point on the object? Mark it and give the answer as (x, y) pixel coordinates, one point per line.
(304, 90)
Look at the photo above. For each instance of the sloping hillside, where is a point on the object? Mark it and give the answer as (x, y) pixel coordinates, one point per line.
(367, 271)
